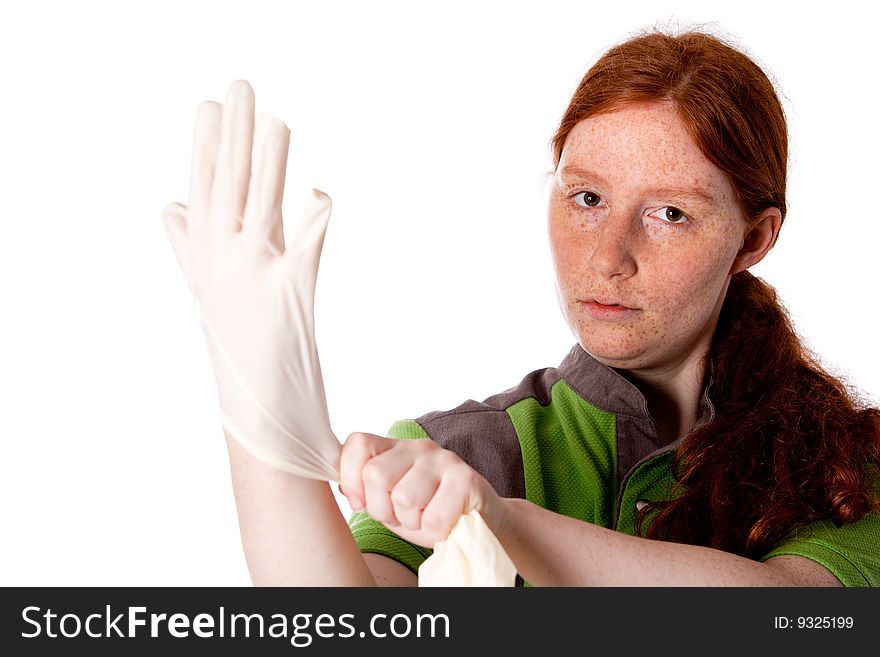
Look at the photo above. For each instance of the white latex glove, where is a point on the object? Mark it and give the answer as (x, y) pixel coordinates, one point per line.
(470, 556)
(256, 302)
(256, 297)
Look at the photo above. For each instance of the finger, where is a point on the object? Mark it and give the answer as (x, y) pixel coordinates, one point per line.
(174, 218)
(262, 224)
(381, 474)
(233, 169)
(304, 254)
(356, 451)
(412, 493)
(204, 154)
(445, 508)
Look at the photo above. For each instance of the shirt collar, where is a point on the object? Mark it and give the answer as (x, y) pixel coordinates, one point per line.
(607, 389)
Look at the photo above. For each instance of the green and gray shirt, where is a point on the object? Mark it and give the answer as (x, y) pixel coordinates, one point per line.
(578, 440)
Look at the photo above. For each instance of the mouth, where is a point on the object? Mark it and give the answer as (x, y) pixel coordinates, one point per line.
(607, 303)
(608, 310)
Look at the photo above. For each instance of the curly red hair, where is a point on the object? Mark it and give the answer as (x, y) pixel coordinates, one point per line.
(789, 443)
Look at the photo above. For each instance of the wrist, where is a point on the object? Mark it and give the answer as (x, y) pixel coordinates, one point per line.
(510, 512)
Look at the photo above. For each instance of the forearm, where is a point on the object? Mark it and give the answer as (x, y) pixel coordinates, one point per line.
(292, 530)
(550, 549)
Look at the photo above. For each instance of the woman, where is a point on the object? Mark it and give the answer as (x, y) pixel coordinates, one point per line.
(688, 411)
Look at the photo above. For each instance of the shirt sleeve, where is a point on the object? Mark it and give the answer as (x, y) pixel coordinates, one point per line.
(851, 551)
(372, 536)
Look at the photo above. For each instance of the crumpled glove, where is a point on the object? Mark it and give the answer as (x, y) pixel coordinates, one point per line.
(256, 305)
(470, 556)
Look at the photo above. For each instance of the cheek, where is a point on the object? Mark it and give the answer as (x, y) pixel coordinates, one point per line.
(565, 254)
(563, 248)
(571, 237)
(685, 288)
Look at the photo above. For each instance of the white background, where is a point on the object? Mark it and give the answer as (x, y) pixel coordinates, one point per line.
(429, 127)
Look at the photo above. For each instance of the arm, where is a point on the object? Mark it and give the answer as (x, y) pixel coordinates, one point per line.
(389, 572)
(255, 297)
(292, 530)
(541, 543)
(294, 535)
(419, 490)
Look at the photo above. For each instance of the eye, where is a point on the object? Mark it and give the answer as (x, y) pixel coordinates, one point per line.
(669, 214)
(591, 199)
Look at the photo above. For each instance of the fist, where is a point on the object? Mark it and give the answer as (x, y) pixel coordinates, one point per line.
(414, 487)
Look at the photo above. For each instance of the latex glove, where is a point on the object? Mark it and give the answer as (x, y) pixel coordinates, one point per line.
(470, 556)
(256, 303)
(255, 296)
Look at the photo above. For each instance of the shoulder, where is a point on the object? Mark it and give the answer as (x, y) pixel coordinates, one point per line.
(482, 432)
(848, 551)
(491, 413)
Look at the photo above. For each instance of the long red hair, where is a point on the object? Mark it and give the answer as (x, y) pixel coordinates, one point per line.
(789, 443)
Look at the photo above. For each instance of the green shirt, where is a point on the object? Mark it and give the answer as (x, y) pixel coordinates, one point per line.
(579, 440)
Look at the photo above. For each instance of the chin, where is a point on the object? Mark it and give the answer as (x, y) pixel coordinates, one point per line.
(616, 356)
(621, 346)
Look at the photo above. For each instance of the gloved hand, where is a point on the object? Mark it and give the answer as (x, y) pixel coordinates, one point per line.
(256, 302)
(256, 297)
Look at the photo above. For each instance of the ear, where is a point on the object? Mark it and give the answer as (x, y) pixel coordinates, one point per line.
(758, 240)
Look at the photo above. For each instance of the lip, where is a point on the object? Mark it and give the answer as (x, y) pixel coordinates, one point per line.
(608, 311)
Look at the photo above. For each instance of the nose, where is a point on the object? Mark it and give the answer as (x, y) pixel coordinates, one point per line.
(612, 254)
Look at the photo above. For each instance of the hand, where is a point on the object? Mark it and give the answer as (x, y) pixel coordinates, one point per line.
(415, 487)
(255, 296)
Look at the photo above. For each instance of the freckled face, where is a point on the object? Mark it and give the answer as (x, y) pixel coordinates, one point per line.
(643, 232)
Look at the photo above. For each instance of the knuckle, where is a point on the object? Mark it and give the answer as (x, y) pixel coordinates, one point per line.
(420, 448)
(463, 477)
(356, 439)
(468, 475)
(373, 474)
(433, 523)
(358, 444)
(448, 458)
(402, 497)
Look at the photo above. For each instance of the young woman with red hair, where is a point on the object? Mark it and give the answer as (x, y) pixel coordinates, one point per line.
(687, 439)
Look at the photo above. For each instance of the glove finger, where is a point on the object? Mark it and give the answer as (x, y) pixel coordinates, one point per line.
(204, 154)
(304, 253)
(174, 218)
(233, 169)
(263, 226)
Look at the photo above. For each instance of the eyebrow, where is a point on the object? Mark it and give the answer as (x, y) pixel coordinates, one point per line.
(688, 193)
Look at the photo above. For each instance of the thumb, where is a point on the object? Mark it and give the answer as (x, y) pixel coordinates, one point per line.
(174, 218)
(304, 253)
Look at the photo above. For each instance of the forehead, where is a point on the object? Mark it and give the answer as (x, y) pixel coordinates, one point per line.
(641, 144)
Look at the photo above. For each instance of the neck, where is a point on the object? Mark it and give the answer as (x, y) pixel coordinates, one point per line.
(673, 392)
